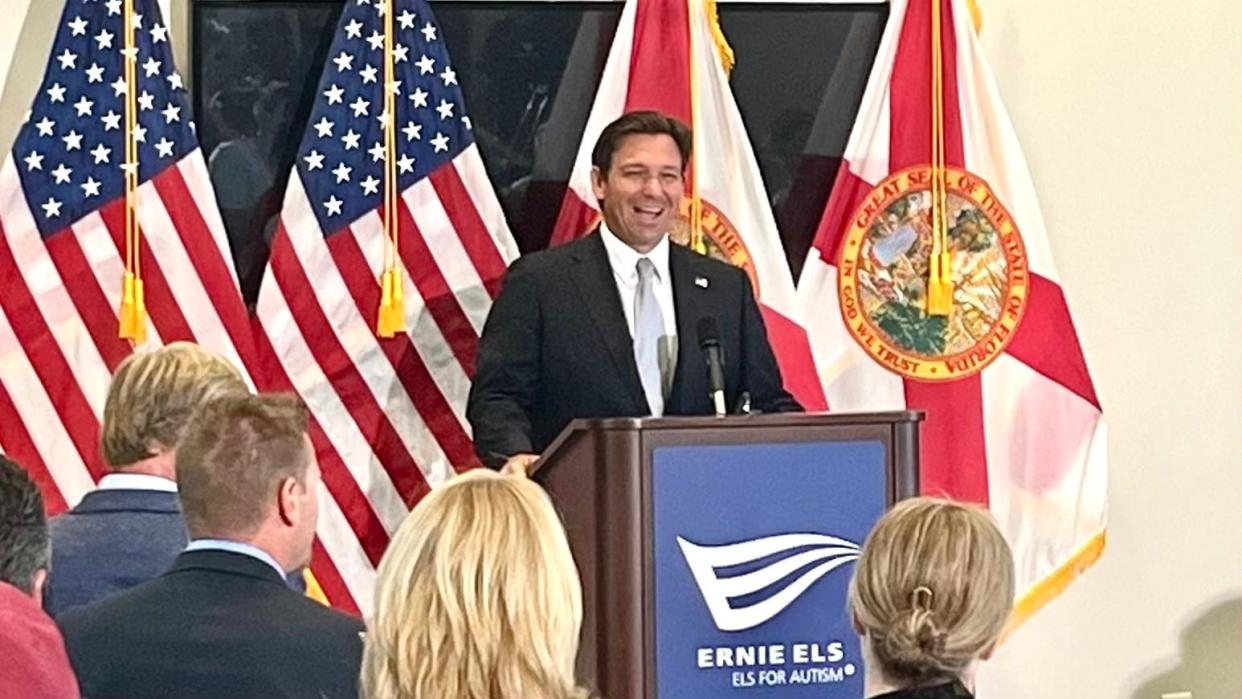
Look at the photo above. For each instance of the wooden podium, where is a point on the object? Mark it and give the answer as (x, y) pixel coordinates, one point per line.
(600, 475)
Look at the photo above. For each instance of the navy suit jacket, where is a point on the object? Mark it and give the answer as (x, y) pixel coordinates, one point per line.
(556, 347)
(218, 624)
(113, 540)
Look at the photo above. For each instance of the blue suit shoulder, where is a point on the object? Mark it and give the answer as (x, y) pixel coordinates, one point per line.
(718, 272)
(705, 262)
(554, 258)
(111, 541)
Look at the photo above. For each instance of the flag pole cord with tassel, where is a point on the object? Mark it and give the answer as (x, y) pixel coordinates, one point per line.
(696, 202)
(391, 317)
(133, 311)
(940, 267)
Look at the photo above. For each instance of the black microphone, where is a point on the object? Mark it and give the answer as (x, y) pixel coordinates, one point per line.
(709, 342)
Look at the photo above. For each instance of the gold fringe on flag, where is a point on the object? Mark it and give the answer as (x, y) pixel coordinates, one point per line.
(940, 266)
(391, 317)
(133, 312)
(727, 59)
(976, 16)
(313, 589)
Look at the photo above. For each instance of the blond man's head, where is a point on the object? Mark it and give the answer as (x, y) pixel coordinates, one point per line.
(152, 396)
(477, 598)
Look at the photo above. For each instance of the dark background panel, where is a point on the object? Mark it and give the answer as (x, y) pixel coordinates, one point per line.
(529, 71)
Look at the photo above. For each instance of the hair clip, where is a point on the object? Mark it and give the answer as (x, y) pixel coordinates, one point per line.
(924, 593)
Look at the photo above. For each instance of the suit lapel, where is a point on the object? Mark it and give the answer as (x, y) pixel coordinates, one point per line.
(593, 276)
(687, 289)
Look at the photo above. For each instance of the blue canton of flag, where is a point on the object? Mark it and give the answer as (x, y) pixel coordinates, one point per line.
(70, 152)
(341, 158)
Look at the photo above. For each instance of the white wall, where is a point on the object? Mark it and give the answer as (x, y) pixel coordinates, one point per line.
(1131, 117)
(1130, 113)
(24, 47)
(15, 13)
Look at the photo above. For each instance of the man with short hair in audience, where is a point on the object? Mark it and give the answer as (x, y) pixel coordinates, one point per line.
(222, 622)
(34, 664)
(130, 529)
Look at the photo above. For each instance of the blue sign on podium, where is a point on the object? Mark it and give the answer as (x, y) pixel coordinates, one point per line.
(754, 545)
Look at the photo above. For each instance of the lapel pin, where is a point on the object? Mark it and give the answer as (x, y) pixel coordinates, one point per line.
(700, 282)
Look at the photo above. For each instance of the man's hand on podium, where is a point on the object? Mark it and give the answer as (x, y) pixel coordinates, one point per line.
(519, 465)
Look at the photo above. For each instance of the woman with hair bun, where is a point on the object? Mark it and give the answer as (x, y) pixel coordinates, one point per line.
(930, 595)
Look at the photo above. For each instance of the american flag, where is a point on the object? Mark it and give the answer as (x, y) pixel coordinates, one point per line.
(62, 241)
(388, 415)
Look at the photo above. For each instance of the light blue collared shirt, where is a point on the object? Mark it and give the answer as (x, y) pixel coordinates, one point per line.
(236, 547)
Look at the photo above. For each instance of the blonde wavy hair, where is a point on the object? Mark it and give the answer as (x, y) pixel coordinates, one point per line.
(153, 394)
(477, 598)
(932, 590)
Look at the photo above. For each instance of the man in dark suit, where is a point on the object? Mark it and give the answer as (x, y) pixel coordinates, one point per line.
(129, 529)
(607, 326)
(222, 622)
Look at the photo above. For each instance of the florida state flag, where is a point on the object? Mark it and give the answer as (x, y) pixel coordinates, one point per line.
(930, 285)
(670, 56)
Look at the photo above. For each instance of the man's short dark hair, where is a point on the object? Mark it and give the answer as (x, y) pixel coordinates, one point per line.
(235, 452)
(641, 122)
(24, 544)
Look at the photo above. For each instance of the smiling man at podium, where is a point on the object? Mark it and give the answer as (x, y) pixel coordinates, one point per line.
(620, 322)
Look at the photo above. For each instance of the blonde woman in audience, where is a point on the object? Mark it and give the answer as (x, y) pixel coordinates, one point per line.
(477, 598)
(930, 595)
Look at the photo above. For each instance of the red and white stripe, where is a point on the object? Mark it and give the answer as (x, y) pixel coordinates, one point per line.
(1026, 435)
(58, 326)
(388, 415)
(664, 57)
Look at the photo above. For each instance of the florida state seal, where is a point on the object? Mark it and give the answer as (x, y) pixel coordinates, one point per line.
(883, 268)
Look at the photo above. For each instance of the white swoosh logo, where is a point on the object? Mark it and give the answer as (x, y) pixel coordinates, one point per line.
(829, 551)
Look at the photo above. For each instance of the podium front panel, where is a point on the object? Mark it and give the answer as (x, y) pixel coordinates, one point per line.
(627, 488)
(751, 550)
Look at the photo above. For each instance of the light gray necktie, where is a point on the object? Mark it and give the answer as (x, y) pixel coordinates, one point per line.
(648, 328)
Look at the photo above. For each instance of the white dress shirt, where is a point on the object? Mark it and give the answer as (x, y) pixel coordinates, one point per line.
(136, 481)
(624, 262)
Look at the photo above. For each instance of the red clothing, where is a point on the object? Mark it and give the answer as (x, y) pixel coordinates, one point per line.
(35, 663)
